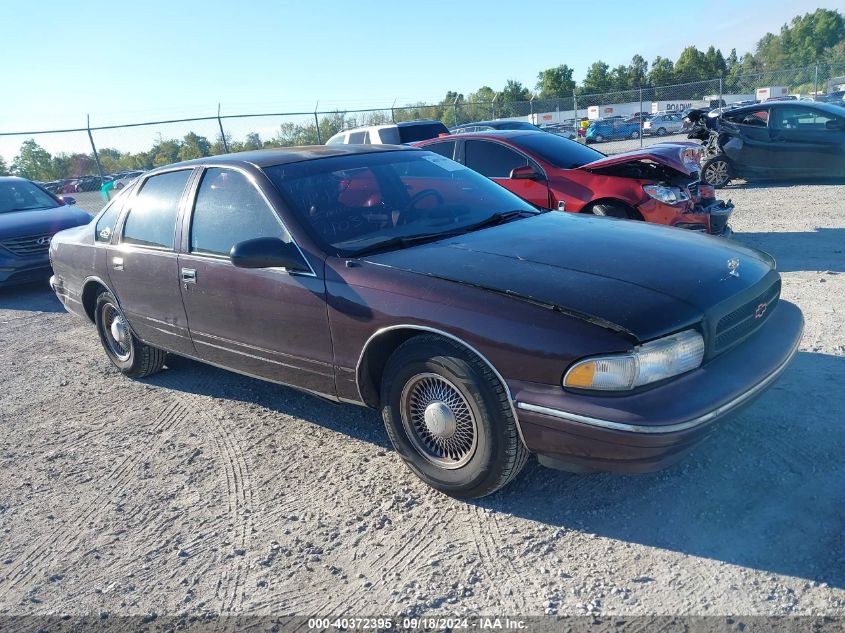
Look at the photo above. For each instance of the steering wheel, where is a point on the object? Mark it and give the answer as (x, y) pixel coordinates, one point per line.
(402, 217)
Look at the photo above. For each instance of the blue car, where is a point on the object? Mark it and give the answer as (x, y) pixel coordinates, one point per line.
(611, 130)
(29, 217)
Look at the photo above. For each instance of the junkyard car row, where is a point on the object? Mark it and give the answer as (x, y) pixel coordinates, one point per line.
(482, 326)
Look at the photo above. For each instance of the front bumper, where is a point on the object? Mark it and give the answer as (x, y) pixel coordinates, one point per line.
(22, 270)
(709, 217)
(655, 428)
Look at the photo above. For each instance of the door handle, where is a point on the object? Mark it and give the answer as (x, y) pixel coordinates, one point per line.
(189, 275)
(117, 263)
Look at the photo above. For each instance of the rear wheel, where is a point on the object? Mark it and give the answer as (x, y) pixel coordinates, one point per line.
(131, 356)
(661, 131)
(716, 171)
(598, 138)
(449, 418)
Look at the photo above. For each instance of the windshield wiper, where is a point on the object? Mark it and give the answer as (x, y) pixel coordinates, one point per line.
(412, 240)
(500, 218)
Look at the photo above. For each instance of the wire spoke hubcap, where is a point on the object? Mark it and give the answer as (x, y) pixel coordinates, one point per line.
(116, 332)
(438, 421)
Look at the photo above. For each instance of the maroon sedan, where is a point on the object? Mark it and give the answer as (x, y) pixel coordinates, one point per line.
(656, 183)
(394, 278)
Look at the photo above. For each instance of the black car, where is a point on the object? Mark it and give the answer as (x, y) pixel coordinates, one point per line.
(779, 139)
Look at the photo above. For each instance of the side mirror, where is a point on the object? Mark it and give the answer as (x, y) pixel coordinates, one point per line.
(526, 172)
(836, 126)
(267, 252)
(67, 199)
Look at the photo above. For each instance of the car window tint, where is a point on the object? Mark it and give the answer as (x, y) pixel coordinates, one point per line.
(152, 217)
(107, 220)
(444, 148)
(800, 119)
(356, 138)
(492, 159)
(229, 209)
(760, 118)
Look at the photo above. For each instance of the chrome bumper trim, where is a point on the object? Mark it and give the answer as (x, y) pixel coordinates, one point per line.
(669, 428)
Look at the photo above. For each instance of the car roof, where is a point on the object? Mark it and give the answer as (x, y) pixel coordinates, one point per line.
(817, 105)
(285, 155)
(489, 134)
(13, 179)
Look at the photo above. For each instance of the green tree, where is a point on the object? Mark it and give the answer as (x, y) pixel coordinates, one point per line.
(193, 146)
(33, 162)
(691, 66)
(164, 152)
(637, 71)
(619, 78)
(451, 106)
(715, 64)
(662, 72)
(4, 168)
(554, 83)
(597, 79)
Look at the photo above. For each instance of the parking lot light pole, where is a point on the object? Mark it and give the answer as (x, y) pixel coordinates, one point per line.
(317, 123)
(94, 147)
(455, 109)
(393, 111)
(222, 133)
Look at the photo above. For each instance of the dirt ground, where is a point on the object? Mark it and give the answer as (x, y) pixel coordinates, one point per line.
(200, 491)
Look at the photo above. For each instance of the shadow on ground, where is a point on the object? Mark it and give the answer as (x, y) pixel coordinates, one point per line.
(37, 297)
(819, 250)
(766, 490)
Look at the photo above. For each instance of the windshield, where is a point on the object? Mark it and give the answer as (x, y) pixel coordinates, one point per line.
(559, 151)
(351, 204)
(22, 195)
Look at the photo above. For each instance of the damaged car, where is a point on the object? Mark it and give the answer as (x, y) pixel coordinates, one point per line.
(658, 183)
(771, 140)
(482, 328)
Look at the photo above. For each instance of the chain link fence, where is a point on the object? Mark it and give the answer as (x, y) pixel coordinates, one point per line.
(612, 121)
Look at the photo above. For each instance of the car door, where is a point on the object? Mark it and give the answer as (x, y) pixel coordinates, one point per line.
(496, 161)
(142, 262)
(751, 149)
(809, 142)
(267, 322)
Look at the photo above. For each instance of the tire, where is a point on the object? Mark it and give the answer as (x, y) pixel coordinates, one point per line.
(449, 418)
(635, 134)
(598, 138)
(717, 171)
(132, 357)
(661, 131)
(609, 209)
(119, 186)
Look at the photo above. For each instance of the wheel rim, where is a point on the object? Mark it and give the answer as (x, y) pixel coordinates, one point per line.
(438, 421)
(116, 332)
(599, 138)
(716, 173)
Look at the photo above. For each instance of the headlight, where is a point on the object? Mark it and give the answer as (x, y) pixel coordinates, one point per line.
(669, 195)
(664, 358)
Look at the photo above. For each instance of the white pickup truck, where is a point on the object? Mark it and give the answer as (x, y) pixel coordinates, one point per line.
(390, 134)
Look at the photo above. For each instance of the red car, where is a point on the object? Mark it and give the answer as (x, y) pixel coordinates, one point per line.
(657, 184)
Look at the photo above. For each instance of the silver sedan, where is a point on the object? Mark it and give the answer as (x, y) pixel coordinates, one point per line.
(663, 124)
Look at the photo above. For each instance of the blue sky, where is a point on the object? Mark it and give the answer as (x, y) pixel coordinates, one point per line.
(125, 62)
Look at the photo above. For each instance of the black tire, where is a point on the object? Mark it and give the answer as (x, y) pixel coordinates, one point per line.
(598, 138)
(131, 356)
(661, 131)
(497, 454)
(717, 171)
(610, 209)
(635, 134)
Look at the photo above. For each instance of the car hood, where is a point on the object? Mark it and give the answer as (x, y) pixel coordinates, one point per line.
(40, 221)
(682, 156)
(628, 276)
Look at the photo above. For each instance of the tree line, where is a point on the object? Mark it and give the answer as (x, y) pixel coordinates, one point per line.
(806, 40)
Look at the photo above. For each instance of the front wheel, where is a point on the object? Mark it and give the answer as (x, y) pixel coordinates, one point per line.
(449, 418)
(716, 171)
(635, 134)
(661, 131)
(131, 356)
(609, 209)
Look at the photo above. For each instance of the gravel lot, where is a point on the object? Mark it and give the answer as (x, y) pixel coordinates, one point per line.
(201, 491)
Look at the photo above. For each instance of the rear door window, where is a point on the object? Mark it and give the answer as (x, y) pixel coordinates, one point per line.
(229, 209)
(492, 159)
(800, 119)
(152, 218)
(444, 148)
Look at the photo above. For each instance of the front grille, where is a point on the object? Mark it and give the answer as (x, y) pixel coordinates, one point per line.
(29, 245)
(746, 319)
